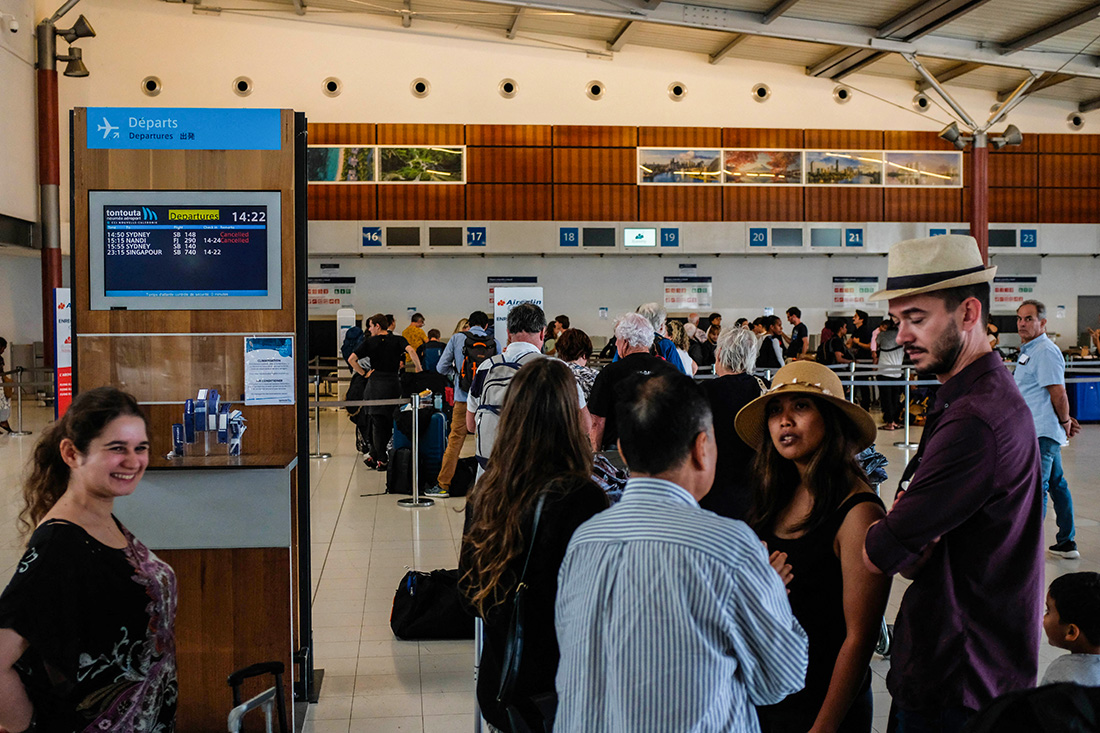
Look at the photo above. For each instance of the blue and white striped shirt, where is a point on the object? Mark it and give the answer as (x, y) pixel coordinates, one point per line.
(670, 618)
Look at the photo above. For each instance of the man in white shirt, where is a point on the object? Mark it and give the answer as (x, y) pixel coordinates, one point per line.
(526, 334)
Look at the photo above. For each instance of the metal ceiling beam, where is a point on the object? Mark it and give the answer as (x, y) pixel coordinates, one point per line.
(845, 62)
(1056, 28)
(1089, 105)
(680, 14)
(926, 17)
(948, 74)
(778, 9)
(626, 31)
(724, 51)
(1045, 81)
(513, 29)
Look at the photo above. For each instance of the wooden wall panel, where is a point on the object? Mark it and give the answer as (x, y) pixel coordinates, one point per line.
(1007, 204)
(764, 203)
(680, 203)
(595, 203)
(595, 165)
(594, 136)
(1069, 171)
(340, 201)
(675, 137)
(1011, 171)
(521, 135)
(509, 165)
(417, 201)
(1069, 143)
(509, 202)
(342, 133)
(837, 203)
(914, 140)
(418, 134)
(844, 139)
(1068, 205)
(752, 137)
(227, 601)
(923, 204)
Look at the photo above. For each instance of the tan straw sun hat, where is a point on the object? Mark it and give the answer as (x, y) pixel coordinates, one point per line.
(803, 377)
(933, 263)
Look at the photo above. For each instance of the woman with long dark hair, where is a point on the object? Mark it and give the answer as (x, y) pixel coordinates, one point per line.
(811, 501)
(86, 623)
(541, 449)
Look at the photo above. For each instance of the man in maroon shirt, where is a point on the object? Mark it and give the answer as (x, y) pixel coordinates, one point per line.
(966, 525)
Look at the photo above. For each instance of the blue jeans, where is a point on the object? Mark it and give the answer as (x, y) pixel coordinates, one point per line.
(1054, 482)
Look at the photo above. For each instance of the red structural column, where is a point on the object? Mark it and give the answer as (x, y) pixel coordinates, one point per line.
(979, 192)
(49, 182)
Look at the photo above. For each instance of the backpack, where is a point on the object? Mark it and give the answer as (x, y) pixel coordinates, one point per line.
(475, 349)
(1058, 708)
(351, 341)
(491, 399)
(824, 354)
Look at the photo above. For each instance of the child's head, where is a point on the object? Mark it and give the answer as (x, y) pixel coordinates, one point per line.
(1072, 617)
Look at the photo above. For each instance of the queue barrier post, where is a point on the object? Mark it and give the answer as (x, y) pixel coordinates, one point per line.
(415, 501)
(317, 453)
(19, 402)
(852, 377)
(907, 444)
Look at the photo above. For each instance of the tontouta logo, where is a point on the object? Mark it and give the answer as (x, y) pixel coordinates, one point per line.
(500, 302)
(148, 214)
(107, 128)
(62, 306)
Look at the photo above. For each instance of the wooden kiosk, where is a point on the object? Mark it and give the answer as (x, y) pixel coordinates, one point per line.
(234, 528)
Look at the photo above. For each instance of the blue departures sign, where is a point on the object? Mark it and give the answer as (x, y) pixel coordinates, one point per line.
(140, 128)
(758, 237)
(569, 237)
(1029, 238)
(670, 237)
(853, 237)
(372, 236)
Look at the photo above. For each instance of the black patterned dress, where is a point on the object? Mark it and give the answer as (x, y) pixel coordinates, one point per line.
(99, 622)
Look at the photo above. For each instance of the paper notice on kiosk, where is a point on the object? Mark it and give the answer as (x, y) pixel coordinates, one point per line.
(269, 371)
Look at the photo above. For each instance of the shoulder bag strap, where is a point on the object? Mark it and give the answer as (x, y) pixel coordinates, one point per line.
(513, 644)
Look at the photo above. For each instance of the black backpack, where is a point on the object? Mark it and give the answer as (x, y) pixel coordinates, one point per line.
(475, 349)
(1059, 708)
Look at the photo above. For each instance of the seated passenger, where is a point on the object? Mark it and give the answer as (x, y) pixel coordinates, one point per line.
(1072, 622)
(811, 502)
(669, 617)
(541, 457)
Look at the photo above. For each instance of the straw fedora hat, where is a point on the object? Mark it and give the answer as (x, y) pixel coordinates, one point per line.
(803, 377)
(933, 263)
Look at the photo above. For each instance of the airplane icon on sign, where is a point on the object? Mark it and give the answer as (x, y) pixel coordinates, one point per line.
(106, 128)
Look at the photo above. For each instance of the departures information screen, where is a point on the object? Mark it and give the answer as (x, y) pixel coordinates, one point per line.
(154, 251)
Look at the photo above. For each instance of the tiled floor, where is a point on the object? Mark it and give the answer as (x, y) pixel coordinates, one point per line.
(362, 543)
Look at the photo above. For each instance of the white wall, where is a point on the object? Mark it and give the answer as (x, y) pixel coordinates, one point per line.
(21, 294)
(445, 289)
(18, 166)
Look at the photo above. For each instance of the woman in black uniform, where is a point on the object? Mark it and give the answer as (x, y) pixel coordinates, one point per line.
(384, 352)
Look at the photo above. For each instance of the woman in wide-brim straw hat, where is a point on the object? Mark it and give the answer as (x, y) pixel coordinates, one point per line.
(812, 503)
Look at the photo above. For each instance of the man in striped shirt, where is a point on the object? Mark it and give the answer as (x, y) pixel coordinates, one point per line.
(669, 617)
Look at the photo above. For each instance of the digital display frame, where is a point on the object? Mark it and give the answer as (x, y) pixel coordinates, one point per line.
(185, 250)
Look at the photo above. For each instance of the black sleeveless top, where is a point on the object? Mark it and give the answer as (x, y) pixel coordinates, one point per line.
(817, 600)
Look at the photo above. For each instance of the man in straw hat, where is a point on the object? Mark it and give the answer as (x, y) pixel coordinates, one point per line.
(966, 525)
